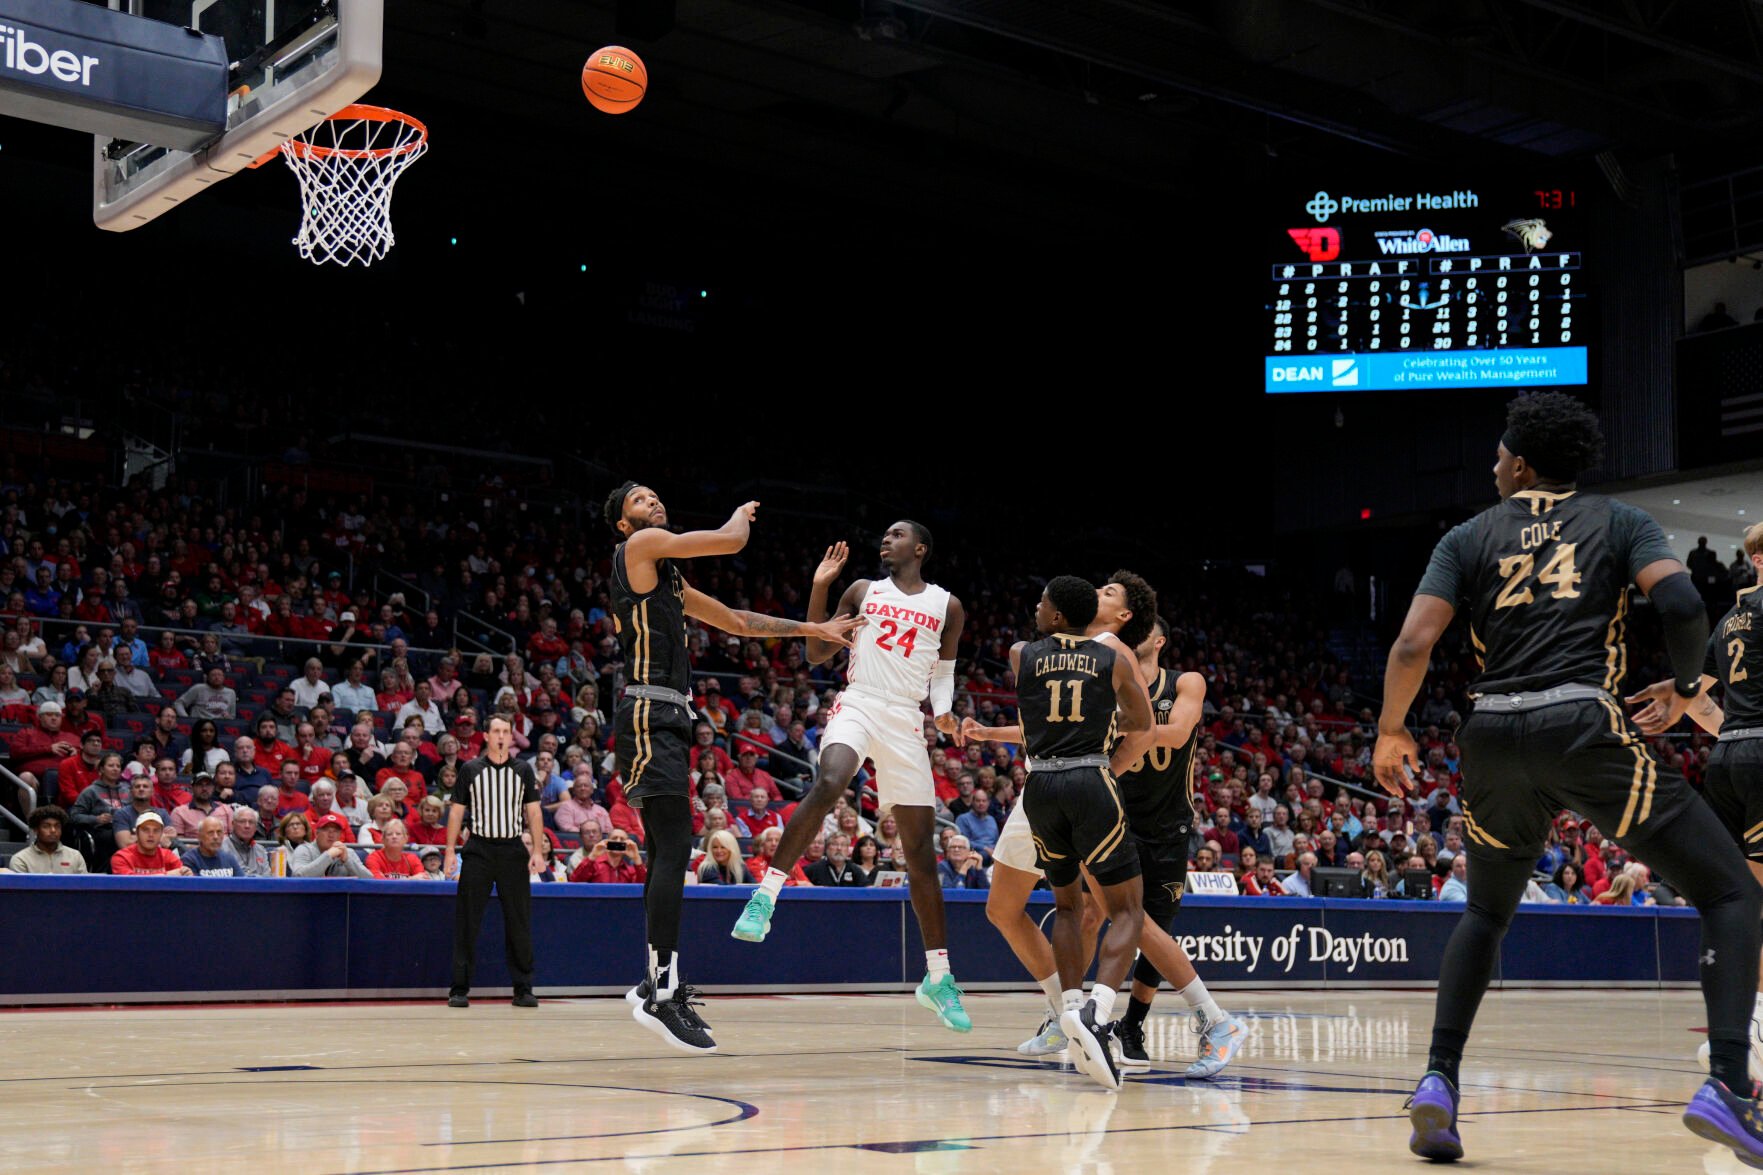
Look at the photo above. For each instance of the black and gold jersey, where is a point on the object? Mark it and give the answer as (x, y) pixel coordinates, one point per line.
(1545, 577)
(652, 626)
(1157, 791)
(1065, 695)
(1735, 660)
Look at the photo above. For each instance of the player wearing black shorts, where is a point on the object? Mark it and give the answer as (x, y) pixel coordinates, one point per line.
(1544, 576)
(1156, 788)
(652, 724)
(1068, 688)
(1733, 785)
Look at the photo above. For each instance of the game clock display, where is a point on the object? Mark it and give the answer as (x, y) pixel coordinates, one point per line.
(1409, 287)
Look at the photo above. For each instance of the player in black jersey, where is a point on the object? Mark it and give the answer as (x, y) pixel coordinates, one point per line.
(1068, 688)
(1544, 576)
(1126, 609)
(1734, 782)
(1156, 786)
(653, 722)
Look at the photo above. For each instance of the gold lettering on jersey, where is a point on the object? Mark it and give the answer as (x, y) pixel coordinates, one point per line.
(1084, 663)
(1737, 622)
(1538, 533)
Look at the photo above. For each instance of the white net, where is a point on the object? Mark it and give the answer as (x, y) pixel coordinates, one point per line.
(347, 166)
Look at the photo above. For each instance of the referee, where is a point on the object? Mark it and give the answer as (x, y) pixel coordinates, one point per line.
(495, 792)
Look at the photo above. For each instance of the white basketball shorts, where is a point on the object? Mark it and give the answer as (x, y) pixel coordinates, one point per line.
(891, 734)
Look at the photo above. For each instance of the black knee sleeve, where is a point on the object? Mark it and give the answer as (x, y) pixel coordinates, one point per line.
(667, 828)
(1143, 972)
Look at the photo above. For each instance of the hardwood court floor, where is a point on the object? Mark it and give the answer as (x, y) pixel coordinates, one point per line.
(1556, 1081)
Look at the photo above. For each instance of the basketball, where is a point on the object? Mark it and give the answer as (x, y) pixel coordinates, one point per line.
(614, 79)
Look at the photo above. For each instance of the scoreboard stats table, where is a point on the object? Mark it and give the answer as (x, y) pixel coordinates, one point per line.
(1422, 287)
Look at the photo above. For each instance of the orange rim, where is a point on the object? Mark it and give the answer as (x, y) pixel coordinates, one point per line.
(359, 112)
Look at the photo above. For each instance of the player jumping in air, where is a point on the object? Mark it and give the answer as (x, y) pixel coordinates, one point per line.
(1544, 576)
(906, 649)
(653, 722)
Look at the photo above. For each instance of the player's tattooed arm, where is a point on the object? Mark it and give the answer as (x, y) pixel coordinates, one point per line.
(1654, 716)
(719, 615)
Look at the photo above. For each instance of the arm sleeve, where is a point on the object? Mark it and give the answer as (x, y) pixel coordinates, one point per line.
(942, 688)
(1639, 536)
(1711, 657)
(1685, 621)
(1446, 575)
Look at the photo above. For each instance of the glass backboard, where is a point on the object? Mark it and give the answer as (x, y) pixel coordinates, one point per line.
(292, 64)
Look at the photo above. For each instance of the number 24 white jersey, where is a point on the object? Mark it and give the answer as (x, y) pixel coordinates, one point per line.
(900, 642)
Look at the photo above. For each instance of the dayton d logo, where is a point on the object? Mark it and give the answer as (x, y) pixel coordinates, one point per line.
(1319, 244)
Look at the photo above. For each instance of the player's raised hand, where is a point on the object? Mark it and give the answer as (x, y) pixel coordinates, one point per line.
(748, 511)
(836, 631)
(1393, 762)
(831, 564)
(946, 724)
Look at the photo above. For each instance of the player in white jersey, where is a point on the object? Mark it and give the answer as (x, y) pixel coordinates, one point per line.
(904, 651)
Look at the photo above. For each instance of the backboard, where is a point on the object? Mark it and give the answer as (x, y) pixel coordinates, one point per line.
(292, 63)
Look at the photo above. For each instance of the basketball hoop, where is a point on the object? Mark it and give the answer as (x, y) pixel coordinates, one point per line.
(347, 165)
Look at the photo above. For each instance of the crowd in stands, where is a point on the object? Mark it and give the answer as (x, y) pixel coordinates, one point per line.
(194, 687)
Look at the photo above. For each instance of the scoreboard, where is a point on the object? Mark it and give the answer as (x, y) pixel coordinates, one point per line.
(1419, 286)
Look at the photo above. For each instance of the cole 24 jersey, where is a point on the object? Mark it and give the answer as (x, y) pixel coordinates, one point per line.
(900, 642)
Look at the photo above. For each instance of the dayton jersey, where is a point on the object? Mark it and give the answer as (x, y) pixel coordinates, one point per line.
(652, 626)
(1545, 578)
(1157, 791)
(1065, 695)
(1735, 660)
(900, 642)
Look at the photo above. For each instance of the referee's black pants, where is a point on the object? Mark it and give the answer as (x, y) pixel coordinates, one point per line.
(501, 863)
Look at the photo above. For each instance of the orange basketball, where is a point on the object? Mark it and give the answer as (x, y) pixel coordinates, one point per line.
(614, 79)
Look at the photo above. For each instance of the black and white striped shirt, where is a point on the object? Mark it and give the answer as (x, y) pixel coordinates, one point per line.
(495, 796)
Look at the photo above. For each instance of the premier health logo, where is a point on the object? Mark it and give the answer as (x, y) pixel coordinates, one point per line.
(1322, 206)
(1344, 373)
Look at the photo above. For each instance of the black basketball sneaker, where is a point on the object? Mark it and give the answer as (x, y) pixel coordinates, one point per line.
(1131, 1041)
(675, 1021)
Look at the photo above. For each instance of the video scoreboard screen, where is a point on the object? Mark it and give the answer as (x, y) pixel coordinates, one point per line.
(1418, 287)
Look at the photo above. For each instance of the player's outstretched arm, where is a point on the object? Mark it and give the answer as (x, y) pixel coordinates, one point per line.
(972, 729)
(1428, 617)
(1655, 703)
(718, 614)
(1684, 618)
(652, 543)
(1131, 698)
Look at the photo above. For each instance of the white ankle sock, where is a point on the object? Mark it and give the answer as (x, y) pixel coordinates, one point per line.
(1071, 999)
(1103, 997)
(936, 964)
(773, 883)
(1198, 998)
(1050, 985)
(664, 974)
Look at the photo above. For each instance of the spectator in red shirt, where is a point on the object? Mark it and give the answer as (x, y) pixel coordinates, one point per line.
(614, 859)
(76, 773)
(740, 782)
(166, 654)
(759, 817)
(546, 645)
(36, 749)
(471, 739)
(402, 768)
(429, 828)
(291, 791)
(764, 848)
(322, 801)
(1220, 832)
(146, 856)
(271, 750)
(390, 861)
(312, 759)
